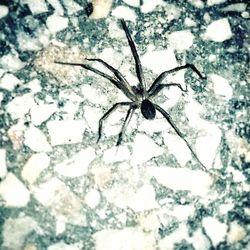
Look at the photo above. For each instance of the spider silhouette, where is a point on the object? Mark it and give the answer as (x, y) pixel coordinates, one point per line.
(140, 96)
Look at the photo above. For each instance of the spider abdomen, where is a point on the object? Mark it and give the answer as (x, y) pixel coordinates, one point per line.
(148, 109)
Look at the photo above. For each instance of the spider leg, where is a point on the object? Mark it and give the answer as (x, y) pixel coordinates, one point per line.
(162, 76)
(125, 124)
(107, 114)
(96, 71)
(125, 87)
(138, 66)
(171, 122)
(159, 87)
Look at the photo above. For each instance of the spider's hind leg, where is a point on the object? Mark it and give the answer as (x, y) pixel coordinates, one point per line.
(125, 124)
(178, 132)
(107, 114)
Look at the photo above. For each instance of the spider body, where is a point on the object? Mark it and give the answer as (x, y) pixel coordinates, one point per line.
(148, 109)
(139, 95)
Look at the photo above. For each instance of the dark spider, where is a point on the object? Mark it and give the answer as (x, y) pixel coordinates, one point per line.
(140, 97)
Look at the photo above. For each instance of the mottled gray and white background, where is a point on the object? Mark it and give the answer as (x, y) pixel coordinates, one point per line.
(59, 189)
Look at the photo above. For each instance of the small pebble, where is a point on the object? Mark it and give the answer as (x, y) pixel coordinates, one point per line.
(212, 58)
(20, 106)
(11, 62)
(60, 227)
(36, 140)
(102, 176)
(93, 95)
(63, 204)
(221, 86)
(126, 239)
(38, 8)
(215, 230)
(197, 3)
(181, 40)
(182, 179)
(236, 233)
(245, 14)
(16, 135)
(116, 154)
(4, 11)
(101, 8)
(77, 165)
(140, 202)
(214, 2)
(13, 191)
(124, 12)
(40, 113)
(218, 31)
(34, 85)
(144, 148)
(66, 131)
(133, 3)
(56, 23)
(189, 22)
(167, 58)
(92, 198)
(239, 7)
(9, 82)
(34, 166)
(149, 6)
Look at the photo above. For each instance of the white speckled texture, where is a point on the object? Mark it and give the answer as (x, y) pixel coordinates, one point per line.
(177, 181)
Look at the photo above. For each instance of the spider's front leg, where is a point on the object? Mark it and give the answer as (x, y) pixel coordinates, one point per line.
(158, 86)
(107, 114)
(138, 66)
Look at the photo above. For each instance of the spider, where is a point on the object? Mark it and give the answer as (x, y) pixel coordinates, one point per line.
(139, 95)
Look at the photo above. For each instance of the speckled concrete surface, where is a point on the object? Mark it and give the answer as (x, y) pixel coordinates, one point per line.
(59, 189)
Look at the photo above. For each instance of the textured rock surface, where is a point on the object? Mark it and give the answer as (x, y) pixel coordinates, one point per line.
(60, 189)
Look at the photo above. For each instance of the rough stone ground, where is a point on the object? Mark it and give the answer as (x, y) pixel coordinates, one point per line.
(59, 189)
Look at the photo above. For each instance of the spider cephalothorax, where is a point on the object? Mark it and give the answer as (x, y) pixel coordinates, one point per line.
(140, 96)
